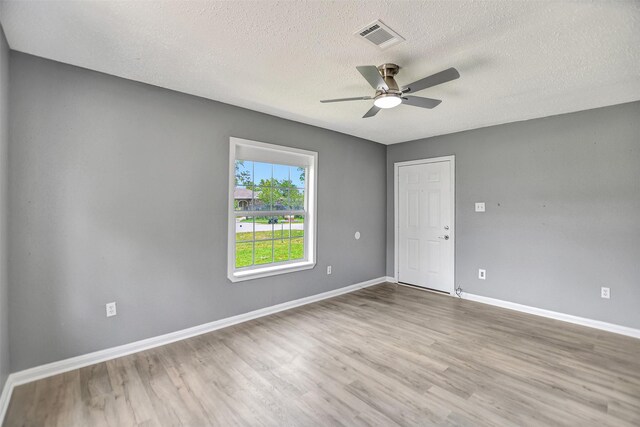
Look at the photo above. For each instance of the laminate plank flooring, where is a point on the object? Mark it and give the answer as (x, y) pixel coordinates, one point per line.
(383, 356)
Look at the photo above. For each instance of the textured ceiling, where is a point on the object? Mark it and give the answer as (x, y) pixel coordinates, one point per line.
(518, 60)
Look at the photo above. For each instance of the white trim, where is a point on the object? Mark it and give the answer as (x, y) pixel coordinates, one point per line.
(59, 367)
(396, 224)
(311, 202)
(597, 324)
(271, 270)
(5, 398)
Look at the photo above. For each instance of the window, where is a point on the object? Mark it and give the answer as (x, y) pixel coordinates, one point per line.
(272, 209)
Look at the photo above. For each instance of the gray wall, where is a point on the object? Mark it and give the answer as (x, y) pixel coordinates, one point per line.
(4, 143)
(562, 213)
(118, 192)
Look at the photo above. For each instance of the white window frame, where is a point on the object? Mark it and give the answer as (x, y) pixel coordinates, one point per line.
(278, 154)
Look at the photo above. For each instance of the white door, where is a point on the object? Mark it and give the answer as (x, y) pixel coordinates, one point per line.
(425, 225)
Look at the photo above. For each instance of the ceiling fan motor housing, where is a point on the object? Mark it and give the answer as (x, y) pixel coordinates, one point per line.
(388, 71)
(388, 98)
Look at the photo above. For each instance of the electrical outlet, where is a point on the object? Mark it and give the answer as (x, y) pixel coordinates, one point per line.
(482, 274)
(328, 269)
(479, 206)
(111, 309)
(605, 292)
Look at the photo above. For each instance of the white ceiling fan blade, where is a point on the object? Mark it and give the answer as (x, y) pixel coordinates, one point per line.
(373, 76)
(372, 112)
(418, 101)
(433, 80)
(359, 98)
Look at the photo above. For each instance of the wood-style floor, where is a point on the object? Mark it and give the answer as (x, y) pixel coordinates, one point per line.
(387, 355)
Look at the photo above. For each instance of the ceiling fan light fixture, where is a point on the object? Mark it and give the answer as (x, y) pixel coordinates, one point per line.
(387, 100)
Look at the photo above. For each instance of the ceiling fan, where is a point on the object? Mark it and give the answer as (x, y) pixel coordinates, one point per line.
(389, 94)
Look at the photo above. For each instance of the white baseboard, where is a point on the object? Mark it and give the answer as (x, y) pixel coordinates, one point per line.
(390, 279)
(32, 374)
(597, 324)
(5, 397)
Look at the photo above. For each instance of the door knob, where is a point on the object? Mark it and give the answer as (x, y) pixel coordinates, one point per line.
(445, 237)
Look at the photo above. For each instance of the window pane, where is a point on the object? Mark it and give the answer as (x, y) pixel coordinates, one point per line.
(263, 196)
(264, 252)
(244, 228)
(281, 250)
(280, 199)
(244, 254)
(264, 227)
(281, 173)
(262, 173)
(280, 227)
(297, 248)
(297, 219)
(297, 227)
(296, 199)
(297, 176)
(244, 172)
(242, 198)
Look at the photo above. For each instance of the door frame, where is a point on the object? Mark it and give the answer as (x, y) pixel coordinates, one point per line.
(396, 208)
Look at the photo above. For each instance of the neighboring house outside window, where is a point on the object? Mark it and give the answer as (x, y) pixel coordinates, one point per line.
(272, 209)
(243, 197)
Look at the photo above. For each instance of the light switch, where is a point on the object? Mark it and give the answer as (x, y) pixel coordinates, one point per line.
(479, 206)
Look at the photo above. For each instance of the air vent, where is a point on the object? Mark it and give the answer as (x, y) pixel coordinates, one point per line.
(379, 34)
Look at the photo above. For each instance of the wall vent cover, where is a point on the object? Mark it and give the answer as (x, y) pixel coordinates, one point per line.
(379, 34)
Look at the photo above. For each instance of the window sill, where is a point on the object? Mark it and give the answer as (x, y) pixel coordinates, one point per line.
(240, 276)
